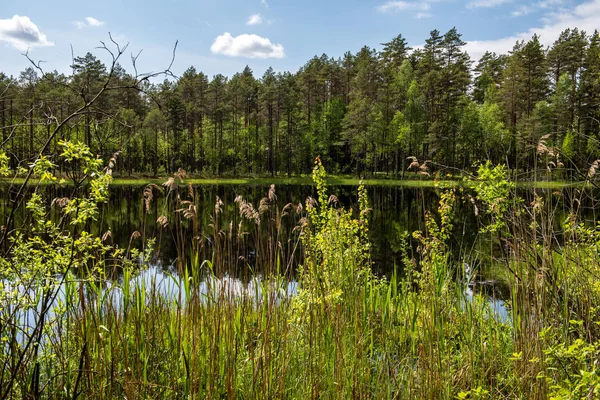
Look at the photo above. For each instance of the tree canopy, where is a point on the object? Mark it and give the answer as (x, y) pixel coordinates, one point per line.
(364, 113)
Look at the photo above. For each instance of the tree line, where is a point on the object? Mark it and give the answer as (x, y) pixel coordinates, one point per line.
(372, 113)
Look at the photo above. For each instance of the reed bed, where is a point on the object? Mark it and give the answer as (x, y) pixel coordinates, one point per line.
(329, 328)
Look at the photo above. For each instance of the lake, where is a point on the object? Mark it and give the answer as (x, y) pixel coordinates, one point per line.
(397, 211)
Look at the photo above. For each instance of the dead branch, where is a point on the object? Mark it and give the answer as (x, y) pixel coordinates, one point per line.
(84, 108)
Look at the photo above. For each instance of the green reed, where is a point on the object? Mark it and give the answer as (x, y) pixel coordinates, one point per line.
(346, 333)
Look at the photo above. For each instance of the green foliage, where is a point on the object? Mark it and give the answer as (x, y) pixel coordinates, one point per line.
(347, 333)
(492, 123)
(494, 190)
(571, 370)
(401, 128)
(43, 168)
(477, 393)
(344, 333)
(39, 265)
(336, 245)
(341, 108)
(4, 169)
(568, 145)
(435, 268)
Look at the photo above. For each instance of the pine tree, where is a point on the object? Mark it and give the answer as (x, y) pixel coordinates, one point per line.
(268, 98)
(88, 74)
(534, 82)
(217, 90)
(488, 72)
(590, 96)
(429, 72)
(455, 82)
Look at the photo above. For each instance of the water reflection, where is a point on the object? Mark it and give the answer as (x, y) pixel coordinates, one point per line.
(171, 287)
(396, 212)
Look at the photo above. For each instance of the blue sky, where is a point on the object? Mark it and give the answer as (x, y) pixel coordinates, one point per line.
(222, 36)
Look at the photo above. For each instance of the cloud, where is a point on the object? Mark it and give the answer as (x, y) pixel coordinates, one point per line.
(21, 33)
(88, 22)
(422, 15)
(549, 3)
(93, 21)
(545, 5)
(264, 3)
(396, 6)
(486, 3)
(523, 10)
(249, 46)
(584, 16)
(418, 9)
(255, 19)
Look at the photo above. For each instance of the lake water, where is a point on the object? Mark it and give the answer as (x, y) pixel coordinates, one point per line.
(396, 212)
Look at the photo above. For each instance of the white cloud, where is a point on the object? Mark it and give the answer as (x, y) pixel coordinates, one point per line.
(584, 16)
(88, 22)
(423, 15)
(250, 46)
(486, 3)
(523, 10)
(93, 21)
(21, 33)
(264, 3)
(545, 5)
(255, 19)
(395, 6)
(549, 3)
(419, 9)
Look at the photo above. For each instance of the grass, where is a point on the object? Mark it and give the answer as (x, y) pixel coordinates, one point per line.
(346, 333)
(332, 181)
(261, 181)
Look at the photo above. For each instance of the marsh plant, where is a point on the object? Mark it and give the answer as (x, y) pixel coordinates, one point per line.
(46, 270)
(76, 321)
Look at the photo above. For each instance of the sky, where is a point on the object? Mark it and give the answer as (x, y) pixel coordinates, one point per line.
(223, 36)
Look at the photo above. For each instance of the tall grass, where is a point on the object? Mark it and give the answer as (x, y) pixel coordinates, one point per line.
(344, 333)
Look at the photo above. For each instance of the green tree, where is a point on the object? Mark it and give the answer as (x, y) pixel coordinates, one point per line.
(154, 124)
(488, 72)
(589, 96)
(88, 76)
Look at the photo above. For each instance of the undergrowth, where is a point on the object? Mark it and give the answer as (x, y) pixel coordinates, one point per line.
(77, 320)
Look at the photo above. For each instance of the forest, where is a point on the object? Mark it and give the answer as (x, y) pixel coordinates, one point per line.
(463, 262)
(364, 114)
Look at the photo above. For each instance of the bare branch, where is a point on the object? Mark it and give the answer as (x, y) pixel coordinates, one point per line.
(10, 83)
(17, 125)
(36, 65)
(134, 60)
(167, 72)
(119, 50)
(72, 60)
(86, 106)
